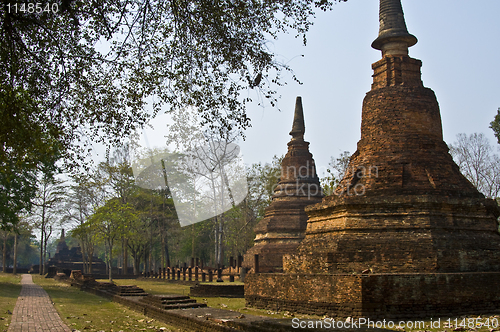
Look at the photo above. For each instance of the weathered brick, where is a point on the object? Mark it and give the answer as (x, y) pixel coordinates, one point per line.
(284, 222)
(415, 239)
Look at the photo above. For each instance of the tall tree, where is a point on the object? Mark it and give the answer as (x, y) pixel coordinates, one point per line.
(216, 174)
(22, 229)
(495, 125)
(26, 147)
(5, 236)
(86, 69)
(119, 178)
(80, 203)
(109, 220)
(47, 211)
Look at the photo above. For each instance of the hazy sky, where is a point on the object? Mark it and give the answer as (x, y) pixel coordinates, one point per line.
(458, 43)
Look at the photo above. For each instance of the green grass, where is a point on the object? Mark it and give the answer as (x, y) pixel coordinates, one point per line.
(84, 311)
(10, 287)
(154, 287)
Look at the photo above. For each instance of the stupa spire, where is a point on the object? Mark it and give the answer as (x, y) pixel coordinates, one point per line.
(298, 127)
(285, 220)
(393, 37)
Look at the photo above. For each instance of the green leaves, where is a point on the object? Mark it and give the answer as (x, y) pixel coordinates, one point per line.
(495, 125)
(97, 70)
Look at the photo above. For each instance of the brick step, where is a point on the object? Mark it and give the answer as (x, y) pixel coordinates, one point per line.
(183, 306)
(162, 298)
(127, 291)
(172, 301)
(130, 291)
(132, 294)
(178, 301)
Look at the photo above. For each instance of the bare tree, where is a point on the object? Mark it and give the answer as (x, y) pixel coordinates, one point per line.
(210, 157)
(474, 155)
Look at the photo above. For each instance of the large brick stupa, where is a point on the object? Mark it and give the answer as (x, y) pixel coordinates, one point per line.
(405, 234)
(285, 221)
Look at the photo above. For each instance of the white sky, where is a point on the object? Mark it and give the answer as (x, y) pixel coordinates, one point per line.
(458, 43)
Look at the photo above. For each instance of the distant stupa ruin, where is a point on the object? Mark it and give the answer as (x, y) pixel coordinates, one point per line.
(405, 234)
(285, 221)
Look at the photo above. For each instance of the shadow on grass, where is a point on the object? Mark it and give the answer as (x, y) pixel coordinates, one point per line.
(70, 295)
(8, 290)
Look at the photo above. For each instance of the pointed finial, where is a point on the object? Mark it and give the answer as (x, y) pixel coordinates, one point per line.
(298, 128)
(393, 37)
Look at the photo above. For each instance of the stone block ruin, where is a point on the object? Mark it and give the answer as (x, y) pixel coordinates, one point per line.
(420, 241)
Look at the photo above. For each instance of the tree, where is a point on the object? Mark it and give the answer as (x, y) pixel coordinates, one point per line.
(473, 154)
(5, 236)
(26, 147)
(47, 210)
(337, 167)
(109, 220)
(215, 174)
(87, 69)
(495, 125)
(81, 202)
(22, 230)
(118, 176)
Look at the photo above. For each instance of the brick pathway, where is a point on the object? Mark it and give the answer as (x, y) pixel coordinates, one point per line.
(34, 310)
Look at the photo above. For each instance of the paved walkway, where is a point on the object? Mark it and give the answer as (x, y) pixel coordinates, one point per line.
(34, 310)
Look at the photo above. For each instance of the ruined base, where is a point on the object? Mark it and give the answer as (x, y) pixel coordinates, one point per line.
(412, 295)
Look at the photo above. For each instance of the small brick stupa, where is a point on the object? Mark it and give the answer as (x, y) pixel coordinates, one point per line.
(405, 234)
(285, 221)
(66, 260)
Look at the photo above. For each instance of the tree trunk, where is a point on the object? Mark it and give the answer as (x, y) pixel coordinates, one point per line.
(192, 241)
(4, 252)
(167, 254)
(137, 261)
(40, 268)
(110, 258)
(220, 258)
(84, 260)
(216, 241)
(162, 251)
(14, 265)
(90, 256)
(46, 239)
(125, 257)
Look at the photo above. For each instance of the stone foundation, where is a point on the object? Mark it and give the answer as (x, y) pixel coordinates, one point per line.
(404, 295)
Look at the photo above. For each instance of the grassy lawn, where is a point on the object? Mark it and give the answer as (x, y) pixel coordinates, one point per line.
(84, 311)
(10, 288)
(154, 287)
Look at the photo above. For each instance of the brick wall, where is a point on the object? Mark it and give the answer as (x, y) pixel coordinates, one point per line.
(377, 296)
